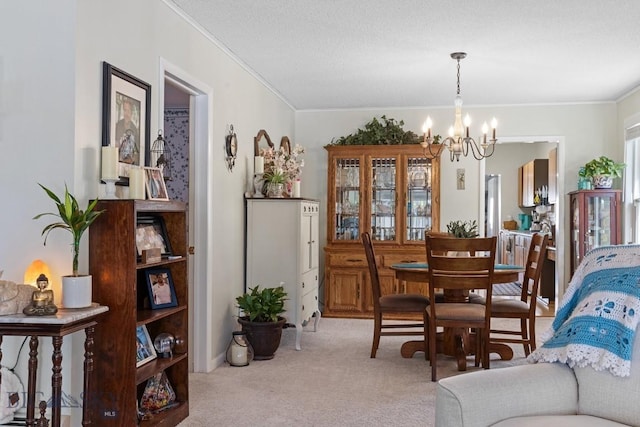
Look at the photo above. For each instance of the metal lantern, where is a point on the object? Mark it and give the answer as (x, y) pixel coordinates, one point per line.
(161, 156)
(239, 351)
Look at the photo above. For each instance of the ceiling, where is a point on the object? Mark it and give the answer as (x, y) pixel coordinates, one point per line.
(345, 54)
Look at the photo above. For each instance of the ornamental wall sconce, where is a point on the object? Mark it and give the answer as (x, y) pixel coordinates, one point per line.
(231, 148)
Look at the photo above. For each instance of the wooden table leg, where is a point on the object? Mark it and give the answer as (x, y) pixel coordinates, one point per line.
(31, 387)
(503, 350)
(88, 369)
(56, 381)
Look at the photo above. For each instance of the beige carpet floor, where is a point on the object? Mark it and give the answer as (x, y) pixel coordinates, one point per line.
(332, 381)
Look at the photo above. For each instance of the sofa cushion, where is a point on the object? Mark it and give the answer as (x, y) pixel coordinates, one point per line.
(604, 395)
(557, 420)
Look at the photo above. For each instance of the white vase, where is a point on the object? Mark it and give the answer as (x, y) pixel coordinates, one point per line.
(76, 291)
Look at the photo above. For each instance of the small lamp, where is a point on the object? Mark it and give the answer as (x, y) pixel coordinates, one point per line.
(34, 270)
(239, 351)
(161, 156)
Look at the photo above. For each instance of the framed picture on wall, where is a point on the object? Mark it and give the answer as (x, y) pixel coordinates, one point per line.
(126, 118)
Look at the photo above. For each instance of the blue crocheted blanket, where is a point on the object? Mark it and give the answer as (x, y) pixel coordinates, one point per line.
(595, 324)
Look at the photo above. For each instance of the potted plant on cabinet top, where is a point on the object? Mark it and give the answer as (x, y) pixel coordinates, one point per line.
(463, 229)
(76, 289)
(601, 171)
(261, 319)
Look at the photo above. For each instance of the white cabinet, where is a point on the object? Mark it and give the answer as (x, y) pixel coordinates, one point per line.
(282, 247)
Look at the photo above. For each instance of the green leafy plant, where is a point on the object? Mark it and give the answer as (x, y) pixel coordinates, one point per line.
(74, 219)
(275, 176)
(602, 166)
(263, 305)
(463, 229)
(387, 131)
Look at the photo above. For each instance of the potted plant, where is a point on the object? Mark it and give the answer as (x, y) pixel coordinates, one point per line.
(275, 180)
(387, 131)
(463, 229)
(76, 289)
(601, 171)
(261, 319)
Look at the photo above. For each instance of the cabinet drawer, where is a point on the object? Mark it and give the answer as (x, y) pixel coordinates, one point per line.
(348, 260)
(309, 305)
(389, 260)
(309, 282)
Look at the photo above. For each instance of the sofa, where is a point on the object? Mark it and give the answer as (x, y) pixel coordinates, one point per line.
(550, 394)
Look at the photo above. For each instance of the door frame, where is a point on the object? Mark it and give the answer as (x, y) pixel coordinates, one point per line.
(200, 219)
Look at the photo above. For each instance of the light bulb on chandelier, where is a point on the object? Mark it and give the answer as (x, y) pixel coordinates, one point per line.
(459, 142)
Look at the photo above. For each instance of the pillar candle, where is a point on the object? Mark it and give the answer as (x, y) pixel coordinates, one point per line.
(296, 188)
(258, 164)
(136, 183)
(110, 162)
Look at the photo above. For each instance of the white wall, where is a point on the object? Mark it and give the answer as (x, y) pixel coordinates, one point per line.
(51, 124)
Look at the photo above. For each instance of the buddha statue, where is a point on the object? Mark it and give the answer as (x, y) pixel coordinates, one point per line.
(41, 300)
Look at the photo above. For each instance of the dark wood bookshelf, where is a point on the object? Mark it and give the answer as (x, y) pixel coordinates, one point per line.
(119, 283)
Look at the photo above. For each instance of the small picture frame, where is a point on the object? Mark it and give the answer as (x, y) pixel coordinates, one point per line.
(162, 292)
(154, 182)
(151, 233)
(145, 352)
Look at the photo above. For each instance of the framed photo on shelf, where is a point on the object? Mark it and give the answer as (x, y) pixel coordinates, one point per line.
(151, 233)
(144, 346)
(126, 118)
(154, 181)
(162, 292)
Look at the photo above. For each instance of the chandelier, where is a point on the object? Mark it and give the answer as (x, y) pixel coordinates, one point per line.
(459, 142)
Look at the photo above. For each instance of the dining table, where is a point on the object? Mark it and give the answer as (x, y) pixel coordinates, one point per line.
(454, 343)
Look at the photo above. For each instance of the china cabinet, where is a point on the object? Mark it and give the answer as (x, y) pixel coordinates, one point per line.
(119, 281)
(282, 247)
(595, 221)
(390, 191)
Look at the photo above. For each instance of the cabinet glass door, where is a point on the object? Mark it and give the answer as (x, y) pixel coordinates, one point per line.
(419, 197)
(599, 222)
(347, 211)
(576, 240)
(383, 198)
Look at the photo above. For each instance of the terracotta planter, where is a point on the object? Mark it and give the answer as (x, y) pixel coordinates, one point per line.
(263, 336)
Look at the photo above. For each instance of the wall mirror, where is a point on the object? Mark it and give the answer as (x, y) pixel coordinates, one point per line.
(261, 141)
(285, 144)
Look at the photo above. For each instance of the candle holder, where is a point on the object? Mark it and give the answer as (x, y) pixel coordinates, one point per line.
(239, 351)
(258, 183)
(110, 189)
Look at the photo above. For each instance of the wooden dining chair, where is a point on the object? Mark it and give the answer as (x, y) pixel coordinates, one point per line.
(456, 276)
(525, 307)
(393, 304)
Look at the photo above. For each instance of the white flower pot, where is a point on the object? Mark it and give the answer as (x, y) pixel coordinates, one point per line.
(76, 291)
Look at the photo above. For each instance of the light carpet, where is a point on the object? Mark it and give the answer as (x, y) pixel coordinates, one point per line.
(332, 381)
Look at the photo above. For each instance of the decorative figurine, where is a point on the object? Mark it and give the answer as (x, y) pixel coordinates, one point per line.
(41, 300)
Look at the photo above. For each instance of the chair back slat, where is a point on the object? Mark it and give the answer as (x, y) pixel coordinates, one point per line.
(373, 268)
(533, 266)
(449, 271)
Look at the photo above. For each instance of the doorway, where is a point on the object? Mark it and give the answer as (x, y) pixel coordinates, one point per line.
(188, 113)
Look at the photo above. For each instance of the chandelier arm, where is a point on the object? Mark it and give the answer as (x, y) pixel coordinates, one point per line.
(428, 146)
